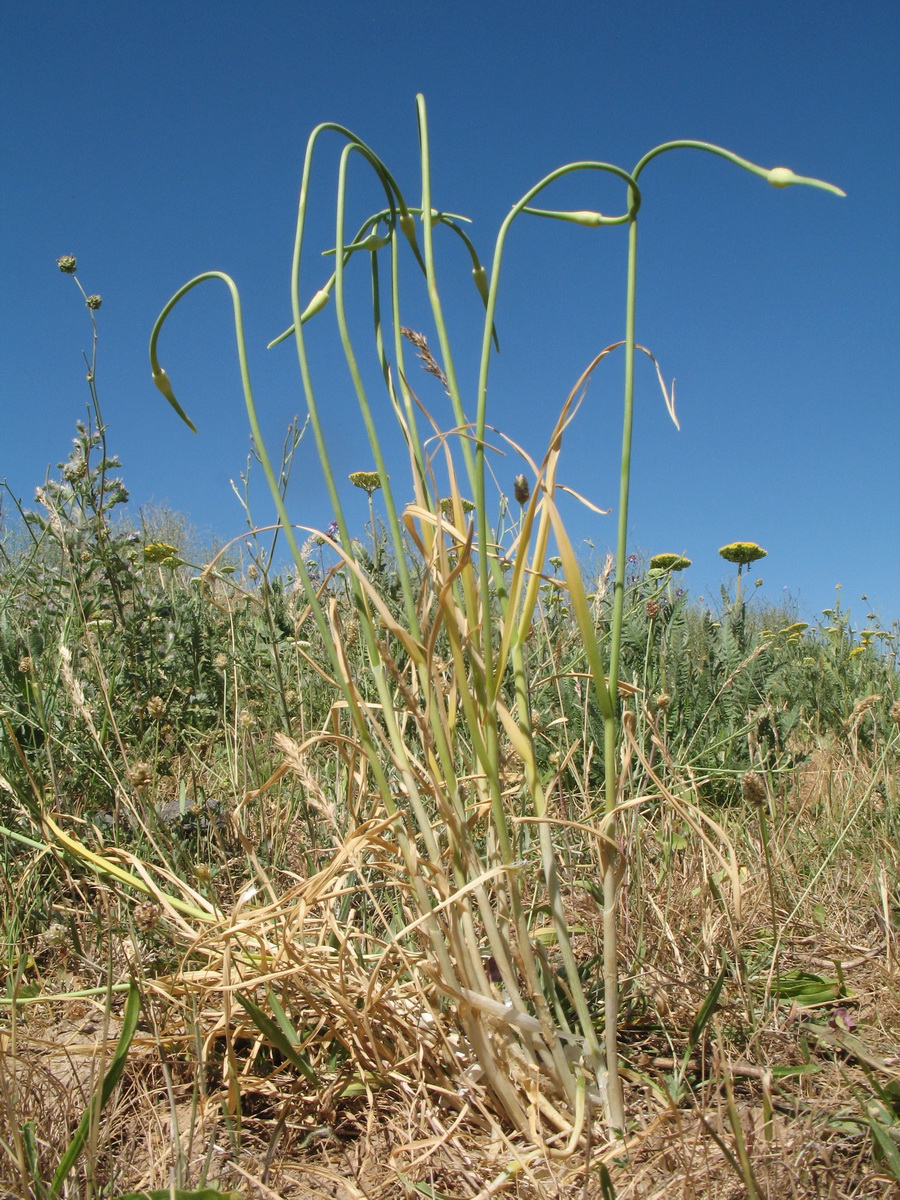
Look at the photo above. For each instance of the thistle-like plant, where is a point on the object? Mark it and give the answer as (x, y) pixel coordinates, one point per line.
(436, 732)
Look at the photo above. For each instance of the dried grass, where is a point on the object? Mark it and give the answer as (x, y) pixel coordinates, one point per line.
(396, 1104)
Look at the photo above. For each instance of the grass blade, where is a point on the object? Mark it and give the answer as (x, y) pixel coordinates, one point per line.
(110, 1079)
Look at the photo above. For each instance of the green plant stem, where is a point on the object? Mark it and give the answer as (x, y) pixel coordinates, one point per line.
(610, 721)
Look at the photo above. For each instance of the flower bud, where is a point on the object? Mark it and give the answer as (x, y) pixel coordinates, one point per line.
(584, 217)
(407, 223)
(479, 274)
(781, 177)
(161, 379)
(318, 302)
(521, 490)
(373, 242)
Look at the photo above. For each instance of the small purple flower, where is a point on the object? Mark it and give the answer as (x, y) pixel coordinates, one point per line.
(332, 532)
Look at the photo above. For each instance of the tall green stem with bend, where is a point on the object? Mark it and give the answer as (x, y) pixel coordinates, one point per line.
(470, 894)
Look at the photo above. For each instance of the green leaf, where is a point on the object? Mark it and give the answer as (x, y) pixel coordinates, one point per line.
(29, 1142)
(802, 988)
(110, 1079)
(606, 1183)
(887, 1147)
(269, 1029)
(547, 934)
(783, 1072)
(806, 989)
(707, 1008)
(180, 1194)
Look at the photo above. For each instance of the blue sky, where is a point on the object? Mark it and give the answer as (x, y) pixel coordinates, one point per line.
(158, 141)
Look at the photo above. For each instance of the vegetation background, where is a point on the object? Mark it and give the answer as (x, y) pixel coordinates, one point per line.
(158, 142)
(326, 877)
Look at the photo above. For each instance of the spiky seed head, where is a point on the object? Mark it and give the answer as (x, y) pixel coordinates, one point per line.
(26, 665)
(742, 553)
(663, 700)
(753, 788)
(140, 775)
(94, 302)
(652, 609)
(156, 708)
(253, 571)
(521, 489)
(55, 936)
(895, 713)
(147, 915)
(669, 562)
(68, 264)
(220, 662)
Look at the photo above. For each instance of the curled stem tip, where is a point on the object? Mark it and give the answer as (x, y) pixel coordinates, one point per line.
(587, 217)
(782, 177)
(161, 379)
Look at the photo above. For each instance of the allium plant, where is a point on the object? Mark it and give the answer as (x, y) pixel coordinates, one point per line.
(440, 730)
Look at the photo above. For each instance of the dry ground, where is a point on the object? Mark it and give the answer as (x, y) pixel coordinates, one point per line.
(794, 1099)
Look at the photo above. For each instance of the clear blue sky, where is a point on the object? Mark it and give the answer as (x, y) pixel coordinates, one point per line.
(155, 141)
